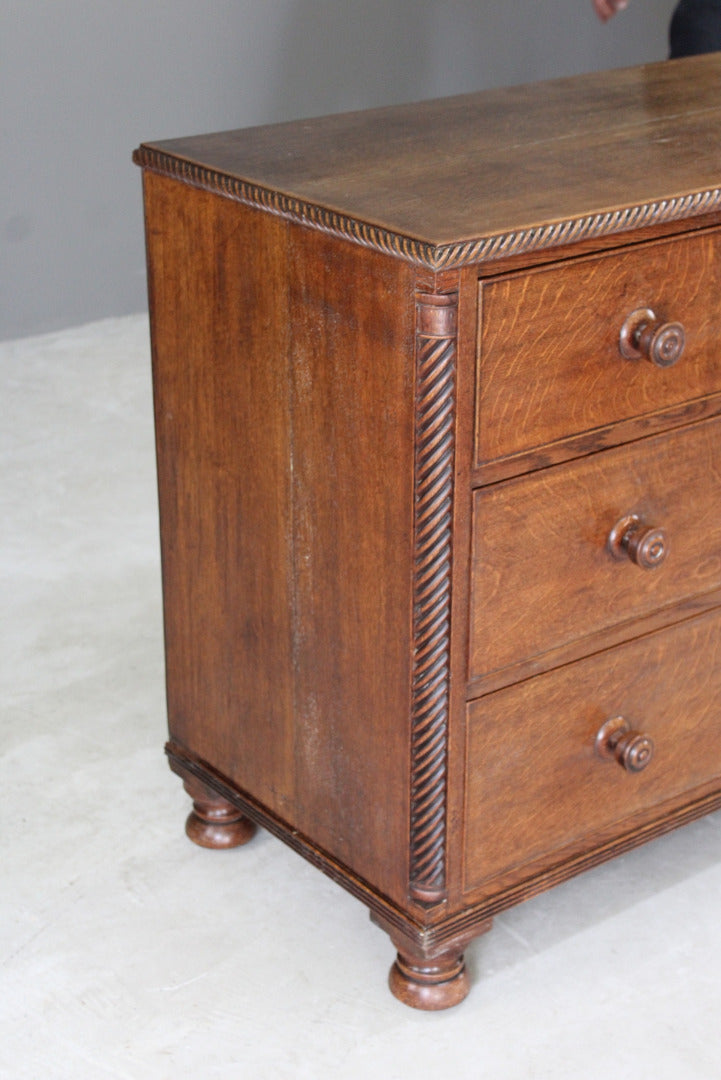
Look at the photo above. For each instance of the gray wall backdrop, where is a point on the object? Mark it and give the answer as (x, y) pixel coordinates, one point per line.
(82, 82)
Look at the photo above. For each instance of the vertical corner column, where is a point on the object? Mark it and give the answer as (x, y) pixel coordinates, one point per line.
(435, 394)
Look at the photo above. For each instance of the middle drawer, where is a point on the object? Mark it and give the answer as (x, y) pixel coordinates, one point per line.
(547, 568)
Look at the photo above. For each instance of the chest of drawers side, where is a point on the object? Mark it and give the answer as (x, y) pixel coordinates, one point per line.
(284, 374)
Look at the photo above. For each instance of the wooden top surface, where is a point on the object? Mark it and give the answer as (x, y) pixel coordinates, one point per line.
(455, 174)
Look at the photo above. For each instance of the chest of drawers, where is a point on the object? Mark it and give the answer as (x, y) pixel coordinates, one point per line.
(438, 415)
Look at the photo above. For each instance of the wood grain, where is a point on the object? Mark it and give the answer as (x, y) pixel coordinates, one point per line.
(394, 433)
(542, 575)
(434, 467)
(352, 327)
(596, 155)
(220, 357)
(286, 541)
(536, 786)
(549, 361)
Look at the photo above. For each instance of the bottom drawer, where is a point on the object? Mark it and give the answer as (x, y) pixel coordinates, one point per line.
(538, 787)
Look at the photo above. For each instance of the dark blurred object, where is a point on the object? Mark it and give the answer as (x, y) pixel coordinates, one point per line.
(695, 28)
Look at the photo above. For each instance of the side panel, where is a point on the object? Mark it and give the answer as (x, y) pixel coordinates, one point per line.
(218, 300)
(283, 367)
(352, 417)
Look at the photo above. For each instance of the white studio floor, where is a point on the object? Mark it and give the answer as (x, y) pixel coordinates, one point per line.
(128, 952)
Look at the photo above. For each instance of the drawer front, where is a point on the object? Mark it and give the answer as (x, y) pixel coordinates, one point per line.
(543, 575)
(550, 366)
(536, 784)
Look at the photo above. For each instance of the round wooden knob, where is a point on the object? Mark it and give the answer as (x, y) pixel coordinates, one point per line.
(617, 741)
(643, 335)
(645, 545)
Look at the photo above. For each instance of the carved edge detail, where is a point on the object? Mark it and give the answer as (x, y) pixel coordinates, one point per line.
(436, 333)
(573, 230)
(286, 206)
(423, 253)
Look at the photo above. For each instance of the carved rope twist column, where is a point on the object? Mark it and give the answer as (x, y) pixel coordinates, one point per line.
(436, 323)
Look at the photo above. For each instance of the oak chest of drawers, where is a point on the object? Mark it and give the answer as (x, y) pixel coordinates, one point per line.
(438, 414)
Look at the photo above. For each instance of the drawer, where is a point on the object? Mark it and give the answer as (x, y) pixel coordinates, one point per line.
(542, 572)
(550, 365)
(536, 785)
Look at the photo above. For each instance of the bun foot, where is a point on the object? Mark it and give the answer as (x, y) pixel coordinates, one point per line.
(440, 983)
(214, 822)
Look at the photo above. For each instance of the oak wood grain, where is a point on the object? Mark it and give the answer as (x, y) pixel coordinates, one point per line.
(352, 356)
(483, 175)
(605, 638)
(220, 357)
(286, 541)
(550, 367)
(542, 573)
(394, 434)
(600, 438)
(536, 784)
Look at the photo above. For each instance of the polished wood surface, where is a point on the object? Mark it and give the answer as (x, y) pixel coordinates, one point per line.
(633, 538)
(550, 359)
(227, 589)
(537, 785)
(617, 739)
(491, 163)
(548, 538)
(278, 508)
(644, 335)
(214, 822)
(436, 395)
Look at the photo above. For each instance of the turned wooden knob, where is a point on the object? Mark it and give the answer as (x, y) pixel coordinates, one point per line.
(643, 335)
(645, 545)
(617, 741)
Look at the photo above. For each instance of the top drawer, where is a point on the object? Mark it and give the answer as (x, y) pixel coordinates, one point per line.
(550, 366)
